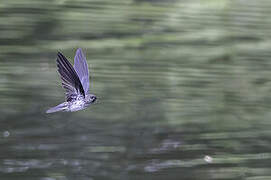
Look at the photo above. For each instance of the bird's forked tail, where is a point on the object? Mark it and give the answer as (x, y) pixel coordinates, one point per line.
(60, 107)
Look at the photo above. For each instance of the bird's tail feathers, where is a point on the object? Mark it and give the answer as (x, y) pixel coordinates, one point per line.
(60, 107)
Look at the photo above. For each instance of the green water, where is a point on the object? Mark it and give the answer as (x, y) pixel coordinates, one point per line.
(183, 90)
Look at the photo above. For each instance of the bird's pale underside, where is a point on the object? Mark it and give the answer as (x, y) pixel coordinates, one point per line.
(75, 81)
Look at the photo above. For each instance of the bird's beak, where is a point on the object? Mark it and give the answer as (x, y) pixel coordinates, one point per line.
(94, 99)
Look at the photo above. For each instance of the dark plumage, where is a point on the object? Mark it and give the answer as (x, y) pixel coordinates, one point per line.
(75, 80)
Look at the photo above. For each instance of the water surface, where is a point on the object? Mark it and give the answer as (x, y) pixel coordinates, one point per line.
(183, 90)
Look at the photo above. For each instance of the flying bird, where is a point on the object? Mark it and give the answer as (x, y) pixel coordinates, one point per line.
(75, 81)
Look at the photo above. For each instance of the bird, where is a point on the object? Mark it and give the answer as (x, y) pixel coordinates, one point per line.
(75, 81)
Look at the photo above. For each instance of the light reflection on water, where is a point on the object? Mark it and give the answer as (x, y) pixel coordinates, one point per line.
(183, 90)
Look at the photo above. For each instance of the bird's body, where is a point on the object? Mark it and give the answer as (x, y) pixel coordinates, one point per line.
(75, 80)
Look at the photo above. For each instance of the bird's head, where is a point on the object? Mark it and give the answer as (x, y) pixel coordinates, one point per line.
(90, 98)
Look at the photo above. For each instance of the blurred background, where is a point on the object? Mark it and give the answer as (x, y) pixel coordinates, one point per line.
(183, 90)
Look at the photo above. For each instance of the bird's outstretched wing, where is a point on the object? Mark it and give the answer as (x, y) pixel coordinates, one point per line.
(81, 68)
(70, 80)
